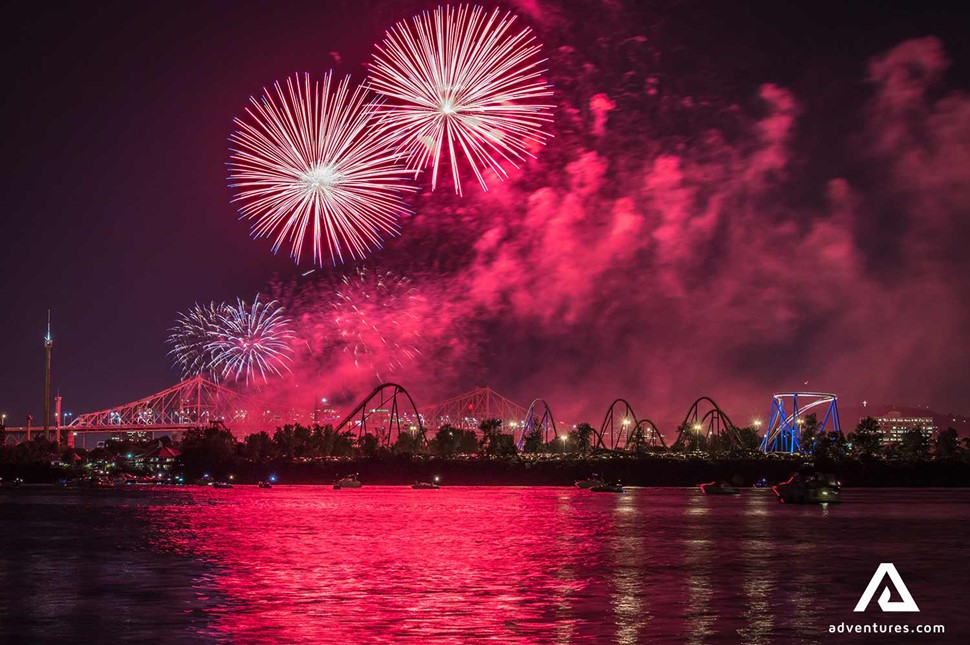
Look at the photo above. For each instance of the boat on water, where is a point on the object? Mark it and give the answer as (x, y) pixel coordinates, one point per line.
(718, 488)
(761, 483)
(425, 486)
(221, 485)
(607, 488)
(350, 481)
(809, 488)
(264, 484)
(590, 482)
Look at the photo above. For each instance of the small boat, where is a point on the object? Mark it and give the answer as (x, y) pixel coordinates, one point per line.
(425, 486)
(590, 482)
(809, 488)
(718, 488)
(221, 485)
(349, 481)
(761, 483)
(264, 484)
(607, 488)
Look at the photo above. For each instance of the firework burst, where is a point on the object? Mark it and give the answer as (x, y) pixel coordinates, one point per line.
(232, 342)
(191, 339)
(375, 318)
(253, 340)
(309, 166)
(460, 82)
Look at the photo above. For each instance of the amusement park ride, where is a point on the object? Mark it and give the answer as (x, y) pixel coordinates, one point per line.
(389, 410)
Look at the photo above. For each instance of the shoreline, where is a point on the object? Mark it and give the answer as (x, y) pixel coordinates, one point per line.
(630, 470)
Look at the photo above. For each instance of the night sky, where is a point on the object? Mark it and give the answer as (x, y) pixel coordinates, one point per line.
(780, 195)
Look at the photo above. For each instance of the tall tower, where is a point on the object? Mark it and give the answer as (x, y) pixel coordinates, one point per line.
(57, 418)
(48, 343)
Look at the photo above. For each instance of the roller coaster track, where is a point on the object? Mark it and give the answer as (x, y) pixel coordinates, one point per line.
(380, 414)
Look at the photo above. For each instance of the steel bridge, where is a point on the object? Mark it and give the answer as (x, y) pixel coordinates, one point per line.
(193, 403)
(466, 411)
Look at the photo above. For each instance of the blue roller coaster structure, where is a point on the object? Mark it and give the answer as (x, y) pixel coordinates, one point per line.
(538, 420)
(787, 414)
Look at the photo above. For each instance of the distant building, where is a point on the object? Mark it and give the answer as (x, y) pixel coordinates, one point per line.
(894, 426)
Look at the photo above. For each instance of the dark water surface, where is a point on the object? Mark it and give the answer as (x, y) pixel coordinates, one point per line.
(470, 565)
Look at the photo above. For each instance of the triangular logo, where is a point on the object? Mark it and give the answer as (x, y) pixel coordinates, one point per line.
(887, 569)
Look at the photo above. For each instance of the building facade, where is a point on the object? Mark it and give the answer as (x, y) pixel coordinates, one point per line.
(894, 426)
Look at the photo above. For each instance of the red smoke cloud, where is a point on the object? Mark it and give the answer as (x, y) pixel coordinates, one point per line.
(626, 262)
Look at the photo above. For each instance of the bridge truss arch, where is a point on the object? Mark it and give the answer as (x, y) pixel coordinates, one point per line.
(192, 403)
(707, 426)
(385, 413)
(466, 411)
(784, 423)
(538, 420)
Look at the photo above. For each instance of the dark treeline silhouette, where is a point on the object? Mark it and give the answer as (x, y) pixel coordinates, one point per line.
(314, 453)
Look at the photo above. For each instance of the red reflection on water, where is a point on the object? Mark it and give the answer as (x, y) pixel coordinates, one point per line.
(538, 565)
(316, 565)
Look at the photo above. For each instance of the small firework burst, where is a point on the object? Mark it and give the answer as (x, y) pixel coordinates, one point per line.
(237, 342)
(253, 340)
(375, 319)
(191, 339)
(310, 167)
(460, 82)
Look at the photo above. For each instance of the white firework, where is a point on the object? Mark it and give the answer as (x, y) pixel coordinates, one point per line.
(253, 340)
(459, 82)
(309, 165)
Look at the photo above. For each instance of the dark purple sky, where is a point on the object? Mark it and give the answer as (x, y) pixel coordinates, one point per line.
(116, 213)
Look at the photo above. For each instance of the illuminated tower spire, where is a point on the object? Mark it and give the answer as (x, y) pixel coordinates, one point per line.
(48, 343)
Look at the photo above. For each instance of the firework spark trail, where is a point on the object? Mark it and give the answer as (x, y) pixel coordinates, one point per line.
(459, 82)
(310, 161)
(375, 319)
(363, 321)
(253, 340)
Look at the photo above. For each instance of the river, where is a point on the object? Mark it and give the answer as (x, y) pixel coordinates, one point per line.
(307, 564)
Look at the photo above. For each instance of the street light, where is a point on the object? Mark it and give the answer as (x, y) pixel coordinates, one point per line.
(564, 438)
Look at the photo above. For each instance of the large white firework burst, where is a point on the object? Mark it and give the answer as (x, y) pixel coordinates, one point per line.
(309, 165)
(460, 82)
